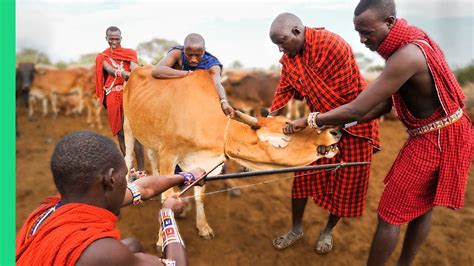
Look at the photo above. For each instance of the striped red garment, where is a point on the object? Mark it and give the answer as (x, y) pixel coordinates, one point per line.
(431, 169)
(326, 74)
(343, 191)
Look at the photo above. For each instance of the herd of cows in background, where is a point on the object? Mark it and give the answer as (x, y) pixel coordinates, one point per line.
(71, 91)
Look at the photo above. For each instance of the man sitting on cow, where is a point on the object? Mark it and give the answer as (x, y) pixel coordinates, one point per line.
(320, 66)
(113, 67)
(182, 60)
(78, 227)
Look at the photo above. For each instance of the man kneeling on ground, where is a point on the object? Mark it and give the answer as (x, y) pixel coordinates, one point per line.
(78, 227)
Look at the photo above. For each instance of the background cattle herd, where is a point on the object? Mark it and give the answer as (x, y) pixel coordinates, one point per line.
(45, 89)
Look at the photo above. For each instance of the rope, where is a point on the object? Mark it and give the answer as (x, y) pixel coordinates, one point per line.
(256, 184)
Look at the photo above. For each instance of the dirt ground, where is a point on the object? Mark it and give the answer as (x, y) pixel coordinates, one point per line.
(245, 225)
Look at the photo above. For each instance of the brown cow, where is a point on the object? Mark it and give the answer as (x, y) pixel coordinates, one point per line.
(55, 83)
(89, 98)
(181, 120)
(251, 92)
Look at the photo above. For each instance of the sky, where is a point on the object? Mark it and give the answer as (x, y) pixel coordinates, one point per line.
(233, 30)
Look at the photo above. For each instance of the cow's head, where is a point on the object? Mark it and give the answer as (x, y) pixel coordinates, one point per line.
(262, 144)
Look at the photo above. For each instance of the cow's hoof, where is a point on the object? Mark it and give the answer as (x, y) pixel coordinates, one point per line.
(206, 232)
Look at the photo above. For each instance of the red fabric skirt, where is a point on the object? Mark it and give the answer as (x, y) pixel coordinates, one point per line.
(114, 105)
(413, 185)
(343, 191)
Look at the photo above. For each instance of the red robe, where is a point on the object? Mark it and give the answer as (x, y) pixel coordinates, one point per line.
(431, 169)
(113, 101)
(326, 74)
(64, 235)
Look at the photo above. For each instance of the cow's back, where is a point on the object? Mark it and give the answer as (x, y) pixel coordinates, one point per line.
(169, 113)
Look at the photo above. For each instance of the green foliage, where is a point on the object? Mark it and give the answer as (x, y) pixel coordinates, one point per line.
(465, 74)
(153, 51)
(236, 65)
(376, 68)
(30, 55)
(86, 59)
(362, 61)
(61, 65)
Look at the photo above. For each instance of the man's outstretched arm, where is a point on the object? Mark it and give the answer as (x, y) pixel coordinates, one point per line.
(215, 72)
(164, 69)
(399, 68)
(150, 186)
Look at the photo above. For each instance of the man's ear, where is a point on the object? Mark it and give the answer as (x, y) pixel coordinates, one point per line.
(296, 31)
(390, 21)
(109, 179)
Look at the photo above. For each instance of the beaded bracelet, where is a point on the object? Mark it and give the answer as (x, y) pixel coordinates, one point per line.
(312, 120)
(169, 228)
(188, 178)
(137, 196)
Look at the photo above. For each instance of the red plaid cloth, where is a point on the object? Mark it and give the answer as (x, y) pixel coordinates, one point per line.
(343, 191)
(327, 75)
(113, 101)
(431, 169)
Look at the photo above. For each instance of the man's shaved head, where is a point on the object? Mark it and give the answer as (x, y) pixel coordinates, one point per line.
(287, 32)
(81, 158)
(194, 40)
(284, 23)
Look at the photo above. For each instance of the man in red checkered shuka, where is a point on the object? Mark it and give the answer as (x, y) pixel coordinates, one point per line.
(320, 66)
(432, 167)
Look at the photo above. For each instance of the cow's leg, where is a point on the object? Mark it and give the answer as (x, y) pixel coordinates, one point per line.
(205, 231)
(98, 110)
(129, 144)
(54, 103)
(44, 101)
(31, 106)
(88, 106)
(153, 161)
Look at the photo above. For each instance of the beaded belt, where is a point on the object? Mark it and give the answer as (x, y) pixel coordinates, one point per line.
(114, 88)
(444, 122)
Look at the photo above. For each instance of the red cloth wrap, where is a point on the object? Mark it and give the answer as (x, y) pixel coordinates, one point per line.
(326, 74)
(104, 79)
(431, 169)
(64, 235)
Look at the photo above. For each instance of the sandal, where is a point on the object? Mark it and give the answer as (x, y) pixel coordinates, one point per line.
(286, 240)
(325, 244)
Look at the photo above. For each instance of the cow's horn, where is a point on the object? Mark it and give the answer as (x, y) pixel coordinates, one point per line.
(246, 119)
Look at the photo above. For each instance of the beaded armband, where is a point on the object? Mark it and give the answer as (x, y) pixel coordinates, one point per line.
(312, 120)
(188, 178)
(169, 228)
(137, 196)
